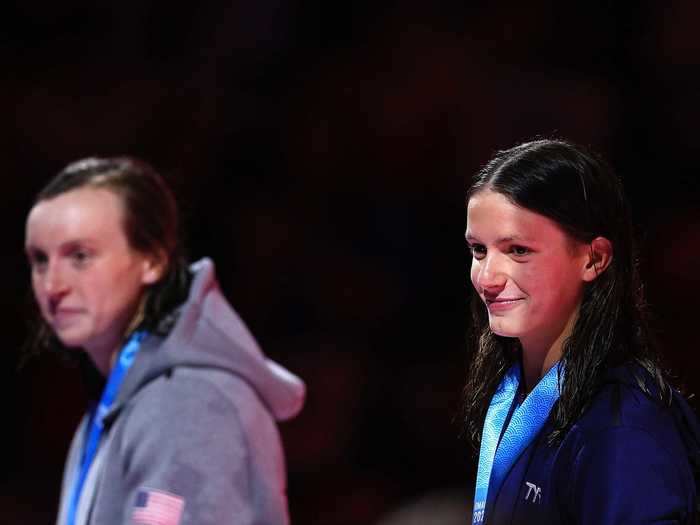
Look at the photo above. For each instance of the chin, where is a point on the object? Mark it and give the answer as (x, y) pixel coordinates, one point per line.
(71, 343)
(504, 329)
(71, 340)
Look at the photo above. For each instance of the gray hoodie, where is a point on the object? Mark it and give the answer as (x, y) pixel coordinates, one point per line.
(191, 438)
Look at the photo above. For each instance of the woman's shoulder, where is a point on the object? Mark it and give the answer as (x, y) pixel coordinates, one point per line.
(627, 398)
(197, 389)
(194, 405)
(629, 446)
(629, 408)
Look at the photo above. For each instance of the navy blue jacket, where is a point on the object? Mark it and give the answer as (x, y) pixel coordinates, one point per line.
(629, 459)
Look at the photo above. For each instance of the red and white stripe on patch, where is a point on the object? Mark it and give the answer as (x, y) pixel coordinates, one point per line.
(156, 507)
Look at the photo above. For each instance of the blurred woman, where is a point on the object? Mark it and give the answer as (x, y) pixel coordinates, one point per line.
(184, 430)
(574, 419)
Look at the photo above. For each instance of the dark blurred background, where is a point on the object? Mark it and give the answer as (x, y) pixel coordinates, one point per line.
(320, 152)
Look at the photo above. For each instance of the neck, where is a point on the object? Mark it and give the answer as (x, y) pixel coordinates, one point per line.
(104, 361)
(535, 366)
(104, 354)
(539, 356)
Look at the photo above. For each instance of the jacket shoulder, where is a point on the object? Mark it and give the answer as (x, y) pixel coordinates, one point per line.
(620, 414)
(625, 405)
(624, 449)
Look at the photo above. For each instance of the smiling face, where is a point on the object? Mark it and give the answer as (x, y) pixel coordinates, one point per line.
(529, 273)
(86, 279)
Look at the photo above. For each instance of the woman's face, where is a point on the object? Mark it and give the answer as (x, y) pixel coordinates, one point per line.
(528, 272)
(86, 278)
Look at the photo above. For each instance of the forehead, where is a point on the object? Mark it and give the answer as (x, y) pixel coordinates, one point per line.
(83, 213)
(491, 216)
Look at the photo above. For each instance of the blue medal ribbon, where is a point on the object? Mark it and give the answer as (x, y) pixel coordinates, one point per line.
(499, 448)
(95, 424)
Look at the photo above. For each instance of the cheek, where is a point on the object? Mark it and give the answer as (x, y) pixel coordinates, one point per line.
(528, 279)
(37, 291)
(553, 287)
(474, 272)
(115, 302)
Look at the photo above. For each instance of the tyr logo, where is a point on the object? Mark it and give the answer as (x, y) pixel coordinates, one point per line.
(533, 490)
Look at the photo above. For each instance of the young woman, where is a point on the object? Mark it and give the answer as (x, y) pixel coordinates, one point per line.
(565, 399)
(184, 430)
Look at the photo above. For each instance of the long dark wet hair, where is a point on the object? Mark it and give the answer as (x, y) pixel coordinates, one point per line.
(580, 192)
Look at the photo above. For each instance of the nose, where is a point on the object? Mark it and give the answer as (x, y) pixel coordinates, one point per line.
(54, 284)
(489, 277)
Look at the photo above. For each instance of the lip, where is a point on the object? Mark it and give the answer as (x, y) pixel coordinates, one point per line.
(502, 305)
(64, 316)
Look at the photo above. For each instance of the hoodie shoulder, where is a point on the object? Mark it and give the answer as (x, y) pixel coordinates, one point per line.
(209, 334)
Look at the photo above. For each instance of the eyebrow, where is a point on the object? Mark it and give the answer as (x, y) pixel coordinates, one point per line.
(67, 245)
(509, 238)
(30, 249)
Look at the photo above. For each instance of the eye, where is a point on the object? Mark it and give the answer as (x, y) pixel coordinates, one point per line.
(478, 250)
(520, 251)
(37, 260)
(79, 257)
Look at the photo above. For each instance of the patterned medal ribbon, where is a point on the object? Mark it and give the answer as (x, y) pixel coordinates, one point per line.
(496, 459)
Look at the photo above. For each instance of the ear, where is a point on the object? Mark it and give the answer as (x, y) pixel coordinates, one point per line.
(600, 254)
(153, 268)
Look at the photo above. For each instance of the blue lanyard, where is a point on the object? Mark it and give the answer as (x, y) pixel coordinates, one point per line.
(95, 424)
(496, 458)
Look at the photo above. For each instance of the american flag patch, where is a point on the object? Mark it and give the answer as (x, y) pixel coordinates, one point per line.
(155, 507)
